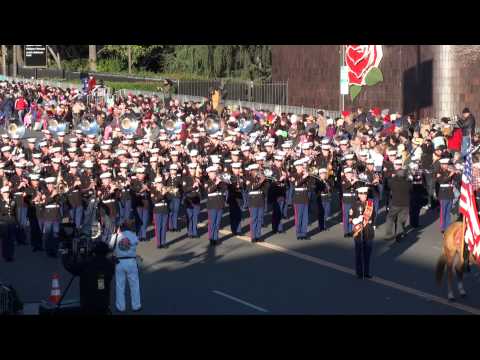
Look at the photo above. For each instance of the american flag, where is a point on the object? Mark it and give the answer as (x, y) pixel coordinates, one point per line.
(469, 209)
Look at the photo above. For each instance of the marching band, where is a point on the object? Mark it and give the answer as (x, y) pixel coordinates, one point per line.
(237, 160)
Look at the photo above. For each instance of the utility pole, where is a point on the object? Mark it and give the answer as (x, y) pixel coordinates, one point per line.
(129, 50)
(92, 57)
(4, 60)
(14, 61)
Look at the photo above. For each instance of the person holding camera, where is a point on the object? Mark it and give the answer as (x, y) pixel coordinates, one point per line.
(96, 273)
(124, 244)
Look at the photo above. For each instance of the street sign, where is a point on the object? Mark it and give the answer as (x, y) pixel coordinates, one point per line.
(36, 56)
(343, 80)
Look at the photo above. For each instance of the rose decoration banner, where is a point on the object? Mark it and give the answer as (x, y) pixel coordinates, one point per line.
(362, 62)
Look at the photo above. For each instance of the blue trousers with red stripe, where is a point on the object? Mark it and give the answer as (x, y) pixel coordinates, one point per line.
(192, 215)
(445, 218)
(347, 226)
(256, 221)
(279, 206)
(214, 222)
(160, 222)
(301, 219)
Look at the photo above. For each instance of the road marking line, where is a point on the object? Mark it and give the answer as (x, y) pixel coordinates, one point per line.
(375, 279)
(258, 308)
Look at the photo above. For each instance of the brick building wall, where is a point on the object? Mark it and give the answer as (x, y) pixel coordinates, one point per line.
(432, 80)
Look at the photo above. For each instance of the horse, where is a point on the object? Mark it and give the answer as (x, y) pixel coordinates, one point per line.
(453, 243)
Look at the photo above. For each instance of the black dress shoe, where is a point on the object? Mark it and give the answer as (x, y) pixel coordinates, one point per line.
(360, 277)
(9, 259)
(345, 235)
(368, 276)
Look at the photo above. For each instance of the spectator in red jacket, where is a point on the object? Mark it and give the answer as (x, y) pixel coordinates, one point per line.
(455, 140)
(91, 83)
(20, 106)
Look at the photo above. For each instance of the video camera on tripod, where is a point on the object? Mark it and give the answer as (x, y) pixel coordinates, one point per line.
(74, 244)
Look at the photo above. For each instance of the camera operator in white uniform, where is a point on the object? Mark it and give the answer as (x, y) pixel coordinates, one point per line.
(124, 244)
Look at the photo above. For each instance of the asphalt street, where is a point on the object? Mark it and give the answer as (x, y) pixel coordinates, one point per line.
(281, 276)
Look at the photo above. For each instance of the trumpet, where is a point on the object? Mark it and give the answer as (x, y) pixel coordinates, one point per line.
(171, 190)
(268, 173)
(61, 186)
(226, 178)
(314, 172)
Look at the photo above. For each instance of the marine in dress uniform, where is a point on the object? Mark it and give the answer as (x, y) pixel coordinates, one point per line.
(20, 184)
(8, 224)
(216, 194)
(235, 198)
(324, 198)
(34, 209)
(125, 205)
(348, 197)
(74, 197)
(160, 199)
(301, 182)
(362, 215)
(51, 224)
(191, 187)
(278, 194)
(374, 181)
(419, 194)
(257, 189)
(174, 181)
(109, 196)
(445, 192)
(141, 193)
(388, 171)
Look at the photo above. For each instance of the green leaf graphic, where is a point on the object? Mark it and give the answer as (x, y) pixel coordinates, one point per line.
(374, 76)
(354, 91)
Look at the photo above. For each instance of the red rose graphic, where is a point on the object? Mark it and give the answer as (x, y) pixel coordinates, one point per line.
(362, 62)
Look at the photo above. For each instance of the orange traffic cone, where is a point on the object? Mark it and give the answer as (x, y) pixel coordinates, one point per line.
(55, 293)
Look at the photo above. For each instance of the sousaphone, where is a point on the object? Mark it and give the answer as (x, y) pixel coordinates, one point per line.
(128, 126)
(55, 127)
(89, 127)
(15, 130)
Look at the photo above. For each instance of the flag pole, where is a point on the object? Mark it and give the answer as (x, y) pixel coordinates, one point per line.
(463, 237)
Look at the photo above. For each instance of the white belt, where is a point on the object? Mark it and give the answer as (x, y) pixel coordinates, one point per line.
(348, 194)
(215, 194)
(74, 191)
(52, 206)
(445, 185)
(18, 193)
(161, 204)
(108, 201)
(300, 189)
(255, 192)
(417, 182)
